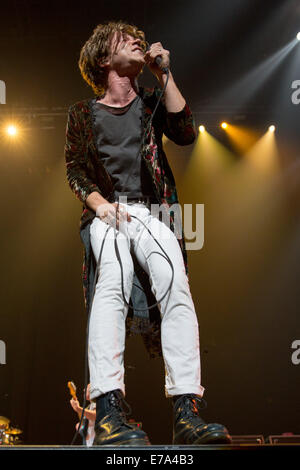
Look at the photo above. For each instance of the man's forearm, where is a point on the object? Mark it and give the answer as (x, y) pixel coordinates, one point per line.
(94, 200)
(173, 98)
(89, 414)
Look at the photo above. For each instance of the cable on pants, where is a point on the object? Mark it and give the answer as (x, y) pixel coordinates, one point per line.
(152, 252)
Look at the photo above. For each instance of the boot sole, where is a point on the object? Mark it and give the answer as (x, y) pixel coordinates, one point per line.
(212, 438)
(129, 443)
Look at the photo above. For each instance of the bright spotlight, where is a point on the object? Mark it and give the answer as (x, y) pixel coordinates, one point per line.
(201, 128)
(272, 128)
(298, 36)
(11, 130)
(224, 125)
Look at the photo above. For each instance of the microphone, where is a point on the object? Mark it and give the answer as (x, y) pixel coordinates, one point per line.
(158, 60)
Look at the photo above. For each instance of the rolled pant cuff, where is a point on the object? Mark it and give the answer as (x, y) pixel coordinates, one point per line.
(96, 391)
(184, 389)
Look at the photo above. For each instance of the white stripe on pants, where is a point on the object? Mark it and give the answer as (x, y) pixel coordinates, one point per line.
(179, 326)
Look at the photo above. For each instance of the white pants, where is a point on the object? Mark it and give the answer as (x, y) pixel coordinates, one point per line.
(179, 325)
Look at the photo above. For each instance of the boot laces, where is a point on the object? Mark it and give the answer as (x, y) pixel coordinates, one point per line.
(116, 401)
(193, 404)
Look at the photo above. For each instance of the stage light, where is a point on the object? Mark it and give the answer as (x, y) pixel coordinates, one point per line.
(201, 128)
(242, 138)
(224, 125)
(272, 128)
(11, 130)
(298, 36)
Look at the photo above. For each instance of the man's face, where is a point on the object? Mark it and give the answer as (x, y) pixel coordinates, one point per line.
(127, 55)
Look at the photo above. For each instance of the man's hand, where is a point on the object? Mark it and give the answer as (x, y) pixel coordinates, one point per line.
(155, 50)
(112, 214)
(75, 405)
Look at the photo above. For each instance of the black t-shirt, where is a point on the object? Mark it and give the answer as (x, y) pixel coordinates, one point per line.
(118, 133)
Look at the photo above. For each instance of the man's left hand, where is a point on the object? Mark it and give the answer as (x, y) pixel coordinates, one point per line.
(155, 50)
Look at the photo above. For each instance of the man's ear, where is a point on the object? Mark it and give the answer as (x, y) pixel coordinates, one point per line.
(103, 63)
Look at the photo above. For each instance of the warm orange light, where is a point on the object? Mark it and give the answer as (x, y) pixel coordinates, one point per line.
(272, 128)
(224, 125)
(201, 128)
(242, 138)
(11, 130)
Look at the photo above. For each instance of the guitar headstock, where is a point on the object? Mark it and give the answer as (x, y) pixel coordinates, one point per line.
(72, 389)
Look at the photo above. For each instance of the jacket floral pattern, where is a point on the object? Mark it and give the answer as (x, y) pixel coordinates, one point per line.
(86, 173)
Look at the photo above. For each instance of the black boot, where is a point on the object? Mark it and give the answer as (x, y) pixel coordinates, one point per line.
(111, 427)
(189, 428)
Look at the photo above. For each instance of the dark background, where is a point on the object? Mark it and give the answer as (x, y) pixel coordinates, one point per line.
(245, 280)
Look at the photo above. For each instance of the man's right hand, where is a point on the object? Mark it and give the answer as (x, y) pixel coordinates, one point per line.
(75, 404)
(112, 214)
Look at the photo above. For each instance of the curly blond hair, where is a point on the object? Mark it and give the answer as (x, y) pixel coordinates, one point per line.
(97, 49)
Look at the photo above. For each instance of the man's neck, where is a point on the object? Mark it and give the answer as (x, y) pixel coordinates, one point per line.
(120, 90)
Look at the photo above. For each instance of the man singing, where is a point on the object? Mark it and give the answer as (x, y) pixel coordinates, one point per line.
(114, 148)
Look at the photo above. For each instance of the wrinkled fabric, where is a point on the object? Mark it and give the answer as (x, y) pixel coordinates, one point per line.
(181, 354)
(86, 173)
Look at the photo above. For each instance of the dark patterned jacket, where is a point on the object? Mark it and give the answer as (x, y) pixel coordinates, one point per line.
(86, 173)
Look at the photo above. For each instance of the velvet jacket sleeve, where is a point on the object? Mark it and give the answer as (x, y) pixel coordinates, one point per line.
(78, 174)
(178, 127)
